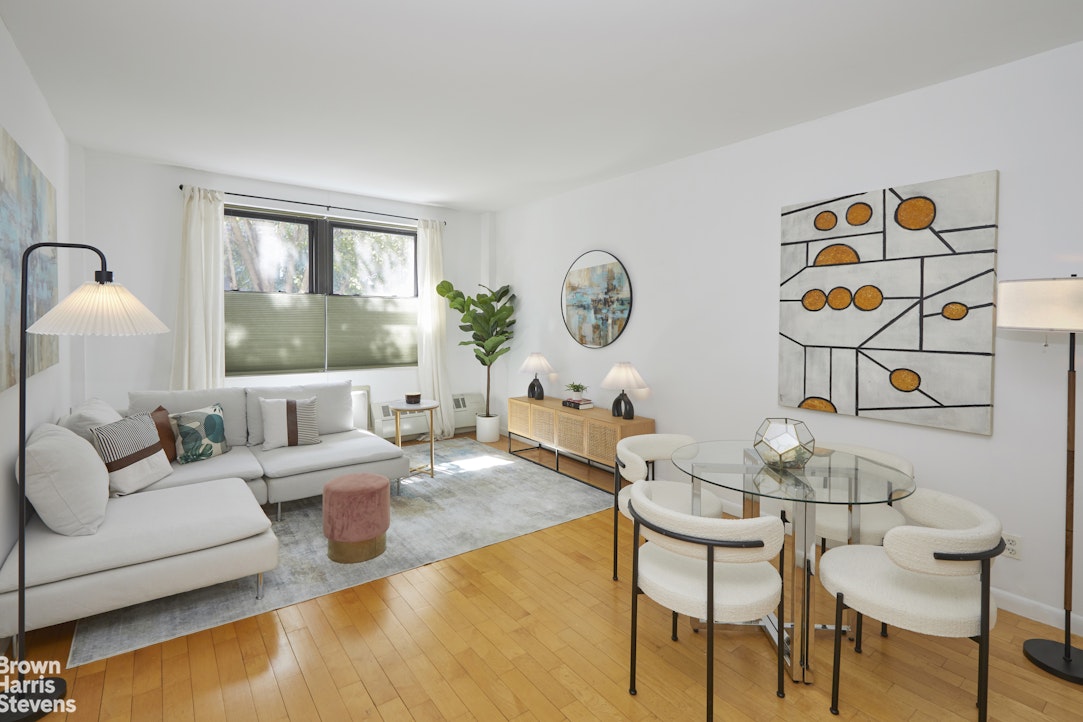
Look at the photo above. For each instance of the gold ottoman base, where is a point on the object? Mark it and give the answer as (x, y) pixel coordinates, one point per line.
(362, 551)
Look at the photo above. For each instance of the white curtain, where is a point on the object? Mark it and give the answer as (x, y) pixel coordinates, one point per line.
(432, 327)
(199, 356)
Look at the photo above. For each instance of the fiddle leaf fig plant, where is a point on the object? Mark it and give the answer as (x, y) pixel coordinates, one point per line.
(487, 317)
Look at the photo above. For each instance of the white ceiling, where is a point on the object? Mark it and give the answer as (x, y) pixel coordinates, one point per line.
(483, 104)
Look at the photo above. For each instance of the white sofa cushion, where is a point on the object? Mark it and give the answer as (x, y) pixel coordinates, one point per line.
(238, 462)
(334, 406)
(343, 449)
(66, 481)
(84, 417)
(132, 453)
(140, 528)
(234, 410)
(289, 422)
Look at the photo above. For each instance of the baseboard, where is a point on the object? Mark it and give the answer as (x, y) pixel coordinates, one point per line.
(1053, 616)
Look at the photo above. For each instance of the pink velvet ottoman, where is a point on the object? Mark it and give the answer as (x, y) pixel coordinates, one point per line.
(356, 515)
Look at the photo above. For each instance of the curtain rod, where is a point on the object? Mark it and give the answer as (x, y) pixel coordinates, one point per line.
(316, 205)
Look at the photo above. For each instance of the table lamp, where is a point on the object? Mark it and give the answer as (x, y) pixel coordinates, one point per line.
(623, 376)
(97, 308)
(536, 364)
(1052, 304)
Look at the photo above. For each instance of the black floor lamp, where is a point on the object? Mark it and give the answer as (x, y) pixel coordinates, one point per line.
(97, 308)
(1052, 304)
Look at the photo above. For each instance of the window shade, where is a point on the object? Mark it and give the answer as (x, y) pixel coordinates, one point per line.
(274, 333)
(371, 332)
(296, 333)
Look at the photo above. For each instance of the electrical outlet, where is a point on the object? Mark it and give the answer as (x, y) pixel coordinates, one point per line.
(1013, 546)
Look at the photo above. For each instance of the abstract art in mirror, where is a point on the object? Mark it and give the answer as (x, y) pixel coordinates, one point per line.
(596, 299)
(784, 443)
(886, 303)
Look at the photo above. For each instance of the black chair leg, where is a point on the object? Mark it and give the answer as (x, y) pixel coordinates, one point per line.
(839, 606)
(857, 632)
(883, 629)
(673, 634)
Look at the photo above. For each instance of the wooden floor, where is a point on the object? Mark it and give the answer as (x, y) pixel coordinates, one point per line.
(533, 629)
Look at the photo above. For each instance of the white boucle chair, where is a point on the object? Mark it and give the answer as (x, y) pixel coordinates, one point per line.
(833, 520)
(931, 576)
(635, 460)
(719, 570)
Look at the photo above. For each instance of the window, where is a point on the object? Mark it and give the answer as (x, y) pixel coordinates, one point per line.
(315, 294)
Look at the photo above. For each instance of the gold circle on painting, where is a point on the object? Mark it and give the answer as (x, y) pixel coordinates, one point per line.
(915, 214)
(955, 311)
(814, 300)
(817, 403)
(858, 214)
(825, 221)
(905, 379)
(836, 254)
(868, 298)
(839, 298)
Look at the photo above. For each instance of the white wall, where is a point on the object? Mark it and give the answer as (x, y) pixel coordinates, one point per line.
(26, 117)
(700, 240)
(133, 210)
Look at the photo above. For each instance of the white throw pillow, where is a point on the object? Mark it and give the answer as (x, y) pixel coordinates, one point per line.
(289, 422)
(66, 481)
(334, 406)
(132, 453)
(84, 417)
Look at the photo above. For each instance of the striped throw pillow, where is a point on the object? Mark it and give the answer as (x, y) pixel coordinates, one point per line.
(289, 422)
(132, 453)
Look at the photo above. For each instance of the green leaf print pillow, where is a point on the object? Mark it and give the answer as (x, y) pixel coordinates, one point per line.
(201, 434)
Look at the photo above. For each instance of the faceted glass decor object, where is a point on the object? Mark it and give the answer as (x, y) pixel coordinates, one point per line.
(784, 443)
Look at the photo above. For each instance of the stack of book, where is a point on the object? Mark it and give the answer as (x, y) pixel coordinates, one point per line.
(578, 403)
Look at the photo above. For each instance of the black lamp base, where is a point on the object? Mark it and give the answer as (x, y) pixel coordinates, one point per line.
(41, 697)
(622, 406)
(1049, 655)
(535, 391)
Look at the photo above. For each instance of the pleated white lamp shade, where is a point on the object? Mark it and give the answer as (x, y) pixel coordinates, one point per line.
(623, 375)
(99, 309)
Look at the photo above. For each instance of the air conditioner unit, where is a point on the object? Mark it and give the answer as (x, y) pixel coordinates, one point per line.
(417, 422)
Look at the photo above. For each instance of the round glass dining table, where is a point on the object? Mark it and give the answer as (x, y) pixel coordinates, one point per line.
(851, 478)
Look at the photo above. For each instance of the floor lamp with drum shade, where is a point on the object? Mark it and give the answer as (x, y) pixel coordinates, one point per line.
(1052, 305)
(96, 308)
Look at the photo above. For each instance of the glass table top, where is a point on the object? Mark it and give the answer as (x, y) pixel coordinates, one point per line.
(830, 477)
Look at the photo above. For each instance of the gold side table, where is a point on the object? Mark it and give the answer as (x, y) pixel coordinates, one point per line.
(401, 407)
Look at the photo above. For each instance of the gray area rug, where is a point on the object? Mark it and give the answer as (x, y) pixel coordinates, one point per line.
(479, 496)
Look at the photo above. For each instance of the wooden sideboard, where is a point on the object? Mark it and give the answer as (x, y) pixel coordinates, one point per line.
(591, 434)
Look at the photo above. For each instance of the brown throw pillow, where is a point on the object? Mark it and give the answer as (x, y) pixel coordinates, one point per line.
(165, 432)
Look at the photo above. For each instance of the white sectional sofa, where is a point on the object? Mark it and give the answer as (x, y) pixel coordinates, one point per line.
(284, 473)
(91, 549)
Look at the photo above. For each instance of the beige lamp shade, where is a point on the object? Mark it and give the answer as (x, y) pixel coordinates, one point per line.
(99, 309)
(535, 363)
(1041, 304)
(623, 376)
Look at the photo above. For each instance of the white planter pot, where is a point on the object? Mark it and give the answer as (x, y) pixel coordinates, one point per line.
(488, 428)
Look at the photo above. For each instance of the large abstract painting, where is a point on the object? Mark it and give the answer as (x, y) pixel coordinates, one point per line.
(887, 304)
(596, 299)
(27, 216)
